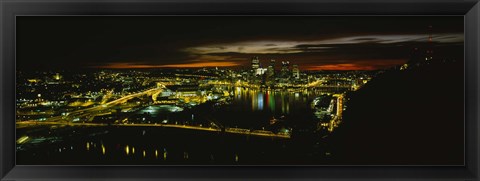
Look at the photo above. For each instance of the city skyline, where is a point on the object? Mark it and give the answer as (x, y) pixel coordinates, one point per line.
(184, 90)
(313, 43)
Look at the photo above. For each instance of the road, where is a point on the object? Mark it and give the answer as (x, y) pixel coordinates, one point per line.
(102, 107)
(24, 124)
(338, 115)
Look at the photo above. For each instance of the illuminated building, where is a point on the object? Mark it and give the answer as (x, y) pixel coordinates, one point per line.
(271, 69)
(57, 76)
(255, 67)
(255, 63)
(285, 69)
(296, 72)
(261, 71)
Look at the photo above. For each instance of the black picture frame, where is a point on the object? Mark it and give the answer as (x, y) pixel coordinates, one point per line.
(11, 8)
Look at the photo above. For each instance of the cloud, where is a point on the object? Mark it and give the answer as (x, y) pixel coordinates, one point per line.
(289, 47)
(246, 47)
(47, 42)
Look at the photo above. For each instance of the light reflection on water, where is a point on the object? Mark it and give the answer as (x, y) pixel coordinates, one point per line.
(170, 146)
(260, 100)
(103, 149)
(128, 150)
(164, 154)
(264, 101)
(276, 101)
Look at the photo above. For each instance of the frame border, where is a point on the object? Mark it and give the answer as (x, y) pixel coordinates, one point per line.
(470, 9)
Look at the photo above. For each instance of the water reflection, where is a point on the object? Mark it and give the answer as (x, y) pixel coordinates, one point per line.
(185, 155)
(276, 101)
(260, 100)
(164, 154)
(127, 150)
(249, 109)
(103, 149)
(204, 148)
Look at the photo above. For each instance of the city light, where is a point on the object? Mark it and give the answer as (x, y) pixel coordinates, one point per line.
(273, 92)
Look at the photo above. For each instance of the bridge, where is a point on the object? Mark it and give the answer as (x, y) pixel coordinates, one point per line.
(263, 133)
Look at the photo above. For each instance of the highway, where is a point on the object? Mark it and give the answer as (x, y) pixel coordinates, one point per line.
(94, 110)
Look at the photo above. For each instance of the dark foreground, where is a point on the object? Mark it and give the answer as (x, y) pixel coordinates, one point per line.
(163, 146)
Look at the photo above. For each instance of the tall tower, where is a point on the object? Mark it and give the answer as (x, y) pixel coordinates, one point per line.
(296, 72)
(255, 63)
(285, 68)
(429, 51)
(271, 69)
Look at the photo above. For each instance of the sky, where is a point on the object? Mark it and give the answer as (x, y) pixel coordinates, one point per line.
(312, 42)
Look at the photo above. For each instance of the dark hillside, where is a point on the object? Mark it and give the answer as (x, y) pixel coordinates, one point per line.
(405, 117)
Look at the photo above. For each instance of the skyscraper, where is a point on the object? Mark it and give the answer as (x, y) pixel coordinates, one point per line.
(296, 72)
(271, 69)
(285, 69)
(255, 63)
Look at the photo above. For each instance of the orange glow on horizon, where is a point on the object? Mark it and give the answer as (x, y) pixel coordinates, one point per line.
(202, 64)
(345, 66)
(358, 65)
(188, 65)
(361, 65)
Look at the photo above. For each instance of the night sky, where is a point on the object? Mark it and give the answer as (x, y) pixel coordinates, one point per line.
(312, 42)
